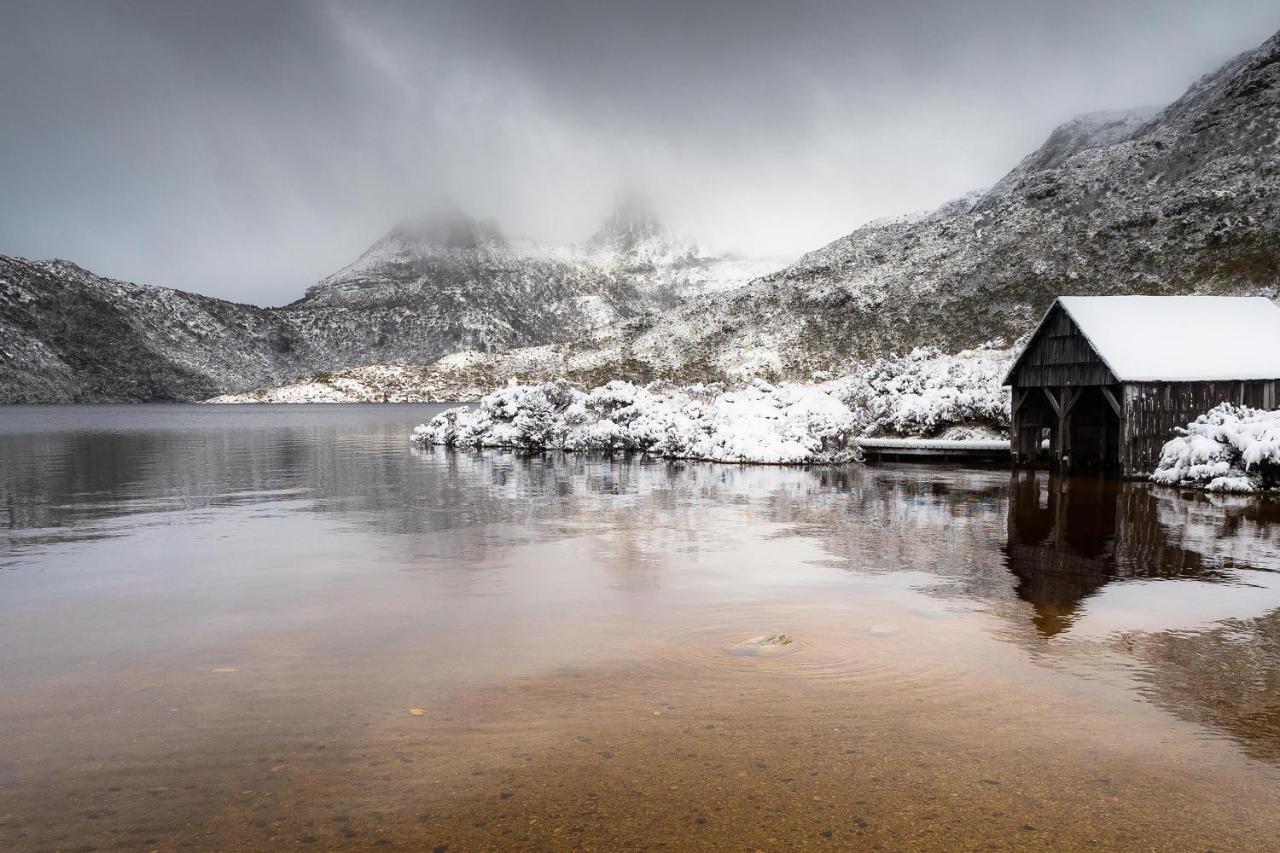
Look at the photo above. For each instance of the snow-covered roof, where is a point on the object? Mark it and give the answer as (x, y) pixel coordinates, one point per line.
(1179, 338)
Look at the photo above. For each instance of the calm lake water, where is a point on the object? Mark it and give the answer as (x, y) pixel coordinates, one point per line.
(214, 624)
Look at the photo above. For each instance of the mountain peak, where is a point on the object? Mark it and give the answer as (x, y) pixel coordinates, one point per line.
(1082, 133)
(1089, 130)
(634, 232)
(447, 226)
(631, 224)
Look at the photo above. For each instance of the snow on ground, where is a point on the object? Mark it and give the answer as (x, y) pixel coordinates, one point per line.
(465, 375)
(451, 378)
(925, 393)
(1229, 449)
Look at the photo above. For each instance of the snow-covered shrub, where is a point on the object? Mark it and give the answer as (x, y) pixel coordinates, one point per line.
(760, 423)
(923, 394)
(1228, 449)
(927, 392)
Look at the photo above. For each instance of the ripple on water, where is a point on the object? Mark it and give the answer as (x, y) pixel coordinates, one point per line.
(885, 662)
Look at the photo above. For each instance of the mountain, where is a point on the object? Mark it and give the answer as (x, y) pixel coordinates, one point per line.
(666, 268)
(632, 264)
(430, 287)
(1179, 199)
(1184, 199)
(67, 335)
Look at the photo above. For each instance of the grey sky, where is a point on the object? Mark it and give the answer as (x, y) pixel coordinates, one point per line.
(247, 149)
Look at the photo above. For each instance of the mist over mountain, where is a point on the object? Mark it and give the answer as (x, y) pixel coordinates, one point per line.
(1179, 199)
(246, 150)
(437, 284)
(1183, 199)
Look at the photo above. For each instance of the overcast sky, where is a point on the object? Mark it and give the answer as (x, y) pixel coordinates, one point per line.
(247, 149)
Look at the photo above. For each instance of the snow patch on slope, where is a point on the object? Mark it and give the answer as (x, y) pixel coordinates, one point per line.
(925, 393)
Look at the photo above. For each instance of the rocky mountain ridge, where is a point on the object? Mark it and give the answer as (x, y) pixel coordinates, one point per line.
(428, 288)
(1183, 199)
(1179, 199)
(67, 335)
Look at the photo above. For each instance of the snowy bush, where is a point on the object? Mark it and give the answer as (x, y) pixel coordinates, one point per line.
(759, 423)
(1229, 449)
(923, 394)
(927, 392)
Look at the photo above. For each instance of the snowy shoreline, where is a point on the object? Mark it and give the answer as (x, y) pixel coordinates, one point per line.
(759, 424)
(944, 400)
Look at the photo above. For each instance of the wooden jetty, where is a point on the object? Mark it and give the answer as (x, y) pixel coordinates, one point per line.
(927, 449)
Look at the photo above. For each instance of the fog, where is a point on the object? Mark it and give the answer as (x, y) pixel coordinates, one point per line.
(247, 149)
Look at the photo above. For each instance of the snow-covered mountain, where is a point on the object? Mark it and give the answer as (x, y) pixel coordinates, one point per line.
(68, 335)
(1183, 199)
(1180, 201)
(632, 264)
(438, 285)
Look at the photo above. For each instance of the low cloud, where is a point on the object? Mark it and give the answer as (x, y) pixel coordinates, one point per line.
(247, 149)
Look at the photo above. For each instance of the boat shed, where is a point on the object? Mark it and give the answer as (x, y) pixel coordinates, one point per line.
(1104, 380)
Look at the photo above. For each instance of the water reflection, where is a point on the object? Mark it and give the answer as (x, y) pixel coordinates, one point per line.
(1069, 538)
(257, 564)
(1182, 585)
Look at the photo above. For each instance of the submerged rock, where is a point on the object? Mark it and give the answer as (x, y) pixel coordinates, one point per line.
(765, 646)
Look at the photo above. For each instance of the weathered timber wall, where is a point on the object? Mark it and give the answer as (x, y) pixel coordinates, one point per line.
(1153, 409)
(1060, 356)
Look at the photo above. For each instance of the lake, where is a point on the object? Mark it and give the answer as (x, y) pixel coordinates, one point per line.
(264, 627)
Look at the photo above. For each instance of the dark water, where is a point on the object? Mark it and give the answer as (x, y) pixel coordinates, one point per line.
(215, 622)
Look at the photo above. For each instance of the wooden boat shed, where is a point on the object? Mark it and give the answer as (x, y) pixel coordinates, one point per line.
(1104, 380)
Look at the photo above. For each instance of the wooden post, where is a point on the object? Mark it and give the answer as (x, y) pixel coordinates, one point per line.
(1063, 448)
(1119, 410)
(1016, 399)
(1062, 405)
(1055, 441)
(1069, 398)
(1013, 426)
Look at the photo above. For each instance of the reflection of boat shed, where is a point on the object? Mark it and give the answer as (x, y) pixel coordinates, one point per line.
(1107, 378)
(1071, 536)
